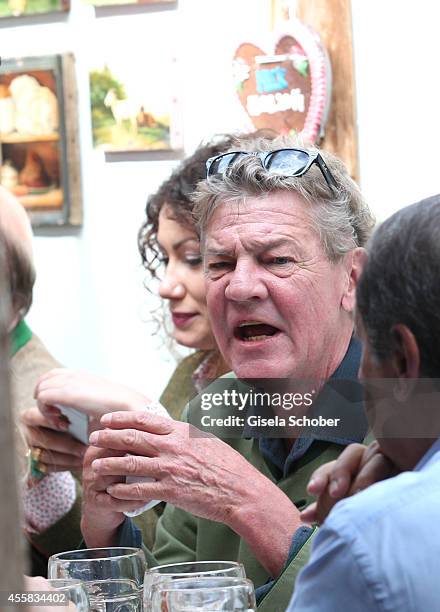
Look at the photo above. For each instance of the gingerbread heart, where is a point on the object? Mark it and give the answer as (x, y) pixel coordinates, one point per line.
(289, 91)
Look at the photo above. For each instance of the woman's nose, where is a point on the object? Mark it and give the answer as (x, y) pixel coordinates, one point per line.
(171, 288)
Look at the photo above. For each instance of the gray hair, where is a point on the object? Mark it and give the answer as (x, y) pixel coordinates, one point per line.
(400, 283)
(340, 216)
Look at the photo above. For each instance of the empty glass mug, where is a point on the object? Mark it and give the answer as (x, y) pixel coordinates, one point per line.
(196, 569)
(204, 595)
(112, 576)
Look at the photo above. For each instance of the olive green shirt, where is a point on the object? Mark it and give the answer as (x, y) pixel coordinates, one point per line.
(181, 536)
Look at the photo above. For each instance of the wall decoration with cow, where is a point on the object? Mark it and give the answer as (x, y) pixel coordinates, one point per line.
(133, 111)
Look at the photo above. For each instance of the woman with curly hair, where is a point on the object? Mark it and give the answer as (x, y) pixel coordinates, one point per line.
(170, 252)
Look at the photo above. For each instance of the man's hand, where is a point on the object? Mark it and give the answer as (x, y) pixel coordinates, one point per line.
(89, 394)
(200, 474)
(60, 452)
(356, 468)
(101, 514)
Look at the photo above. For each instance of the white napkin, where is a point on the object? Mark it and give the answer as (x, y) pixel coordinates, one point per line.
(153, 408)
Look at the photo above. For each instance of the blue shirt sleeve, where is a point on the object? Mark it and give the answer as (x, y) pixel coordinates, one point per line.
(129, 535)
(332, 580)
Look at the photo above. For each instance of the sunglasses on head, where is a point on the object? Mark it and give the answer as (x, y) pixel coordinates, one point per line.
(283, 162)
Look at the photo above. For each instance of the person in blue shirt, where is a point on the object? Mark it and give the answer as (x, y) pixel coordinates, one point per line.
(379, 549)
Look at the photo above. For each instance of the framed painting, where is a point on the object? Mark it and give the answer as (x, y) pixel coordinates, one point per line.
(122, 2)
(131, 114)
(27, 8)
(39, 154)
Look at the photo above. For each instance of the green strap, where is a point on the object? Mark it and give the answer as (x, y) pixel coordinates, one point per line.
(19, 337)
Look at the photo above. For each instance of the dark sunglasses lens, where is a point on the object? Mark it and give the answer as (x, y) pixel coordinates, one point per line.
(221, 164)
(288, 163)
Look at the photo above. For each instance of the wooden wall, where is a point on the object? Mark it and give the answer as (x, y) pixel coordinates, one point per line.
(332, 20)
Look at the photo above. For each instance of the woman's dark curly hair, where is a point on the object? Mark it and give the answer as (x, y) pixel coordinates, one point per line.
(176, 192)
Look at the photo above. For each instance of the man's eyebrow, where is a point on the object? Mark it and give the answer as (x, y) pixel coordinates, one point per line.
(262, 245)
(266, 243)
(213, 252)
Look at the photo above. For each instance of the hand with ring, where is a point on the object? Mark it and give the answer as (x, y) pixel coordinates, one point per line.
(52, 449)
(38, 468)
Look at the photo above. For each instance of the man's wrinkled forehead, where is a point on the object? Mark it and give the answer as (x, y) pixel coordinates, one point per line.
(262, 222)
(255, 244)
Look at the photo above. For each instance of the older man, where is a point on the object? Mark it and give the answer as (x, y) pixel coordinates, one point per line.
(378, 550)
(282, 234)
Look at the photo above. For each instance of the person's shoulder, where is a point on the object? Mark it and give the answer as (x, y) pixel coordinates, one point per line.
(396, 501)
(180, 388)
(191, 362)
(26, 366)
(35, 354)
(388, 533)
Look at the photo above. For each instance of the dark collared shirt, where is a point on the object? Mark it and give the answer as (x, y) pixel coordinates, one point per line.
(345, 377)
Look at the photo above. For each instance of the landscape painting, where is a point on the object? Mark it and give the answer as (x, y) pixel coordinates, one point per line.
(133, 111)
(24, 8)
(118, 2)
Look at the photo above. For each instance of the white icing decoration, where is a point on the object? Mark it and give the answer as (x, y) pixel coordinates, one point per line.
(275, 103)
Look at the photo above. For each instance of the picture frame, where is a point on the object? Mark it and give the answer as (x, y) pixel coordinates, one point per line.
(39, 150)
(128, 115)
(17, 9)
(102, 3)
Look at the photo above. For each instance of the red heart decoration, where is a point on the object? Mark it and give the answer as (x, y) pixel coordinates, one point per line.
(288, 92)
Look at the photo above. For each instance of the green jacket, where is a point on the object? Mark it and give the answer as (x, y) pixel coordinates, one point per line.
(181, 536)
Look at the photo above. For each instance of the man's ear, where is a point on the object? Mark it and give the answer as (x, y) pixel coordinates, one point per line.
(405, 356)
(404, 361)
(354, 261)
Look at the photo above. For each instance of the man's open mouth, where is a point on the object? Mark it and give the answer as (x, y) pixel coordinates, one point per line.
(251, 331)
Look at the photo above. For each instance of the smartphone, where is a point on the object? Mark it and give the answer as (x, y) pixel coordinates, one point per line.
(78, 423)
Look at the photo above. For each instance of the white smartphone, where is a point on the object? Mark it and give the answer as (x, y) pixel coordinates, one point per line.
(78, 423)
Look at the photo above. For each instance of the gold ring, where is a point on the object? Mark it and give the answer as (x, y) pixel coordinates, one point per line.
(38, 469)
(36, 453)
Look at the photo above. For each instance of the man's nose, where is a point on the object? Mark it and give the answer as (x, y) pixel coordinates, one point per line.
(171, 287)
(246, 283)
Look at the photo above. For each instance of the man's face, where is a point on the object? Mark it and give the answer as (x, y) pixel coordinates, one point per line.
(278, 307)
